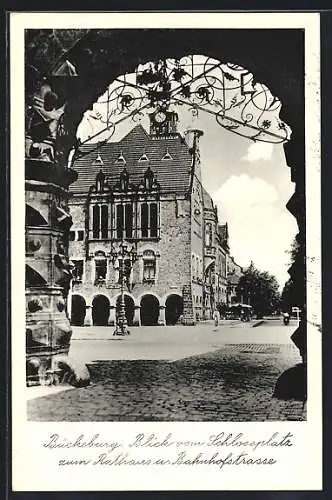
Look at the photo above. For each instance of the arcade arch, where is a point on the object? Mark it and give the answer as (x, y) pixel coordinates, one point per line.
(149, 305)
(129, 308)
(78, 308)
(174, 309)
(100, 310)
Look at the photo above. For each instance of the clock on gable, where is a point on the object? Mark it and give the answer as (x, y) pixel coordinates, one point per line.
(163, 123)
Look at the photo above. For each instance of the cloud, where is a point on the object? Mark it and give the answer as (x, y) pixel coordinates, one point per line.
(259, 151)
(260, 227)
(246, 191)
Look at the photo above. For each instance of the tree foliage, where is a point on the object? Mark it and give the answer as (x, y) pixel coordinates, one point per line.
(260, 289)
(293, 293)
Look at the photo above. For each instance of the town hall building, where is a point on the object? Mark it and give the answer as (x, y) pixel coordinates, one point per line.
(146, 190)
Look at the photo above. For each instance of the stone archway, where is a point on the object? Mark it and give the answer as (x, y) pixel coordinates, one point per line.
(78, 307)
(174, 309)
(129, 308)
(67, 69)
(149, 310)
(100, 310)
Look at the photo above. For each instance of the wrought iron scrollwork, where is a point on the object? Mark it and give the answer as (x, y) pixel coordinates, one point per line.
(227, 91)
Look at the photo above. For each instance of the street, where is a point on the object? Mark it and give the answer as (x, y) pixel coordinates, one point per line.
(176, 373)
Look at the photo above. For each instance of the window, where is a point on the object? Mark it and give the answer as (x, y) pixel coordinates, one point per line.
(100, 221)
(149, 220)
(153, 220)
(95, 221)
(77, 272)
(124, 220)
(119, 221)
(80, 235)
(100, 267)
(145, 220)
(149, 266)
(71, 235)
(129, 220)
(208, 234)
(104, 221)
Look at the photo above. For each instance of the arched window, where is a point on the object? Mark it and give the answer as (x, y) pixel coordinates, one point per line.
(149, 266)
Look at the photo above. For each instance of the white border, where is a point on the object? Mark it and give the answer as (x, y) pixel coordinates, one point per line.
(32, 469)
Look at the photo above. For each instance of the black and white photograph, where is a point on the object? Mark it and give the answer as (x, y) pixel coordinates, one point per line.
(169, 275)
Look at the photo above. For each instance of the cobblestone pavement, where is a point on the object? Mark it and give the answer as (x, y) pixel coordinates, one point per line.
(233, 382)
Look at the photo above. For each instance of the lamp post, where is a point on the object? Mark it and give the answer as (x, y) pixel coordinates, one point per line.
(129, 256)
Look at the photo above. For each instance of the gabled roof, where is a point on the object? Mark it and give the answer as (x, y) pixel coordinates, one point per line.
(173, 175)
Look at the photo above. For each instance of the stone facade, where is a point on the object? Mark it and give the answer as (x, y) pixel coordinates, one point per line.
(179, 275)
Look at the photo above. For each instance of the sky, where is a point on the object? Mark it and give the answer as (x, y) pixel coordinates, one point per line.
(249, 182)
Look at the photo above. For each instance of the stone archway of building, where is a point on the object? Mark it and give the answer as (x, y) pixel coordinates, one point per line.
(78, 307)
(100, 53)
(174, 309)
(129, 308)
(149, 310)
(100, 310)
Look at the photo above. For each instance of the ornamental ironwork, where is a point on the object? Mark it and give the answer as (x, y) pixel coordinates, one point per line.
(227, 91)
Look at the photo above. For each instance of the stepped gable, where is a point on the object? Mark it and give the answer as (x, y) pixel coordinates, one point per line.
(173, 175)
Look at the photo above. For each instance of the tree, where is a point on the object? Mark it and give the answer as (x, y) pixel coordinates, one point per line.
(260, 289)
(293, 293)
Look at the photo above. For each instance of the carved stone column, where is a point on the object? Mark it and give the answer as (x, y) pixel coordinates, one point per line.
(137, 316)
(162, 317)
(48, 270)
(112, 316)
(88, 315)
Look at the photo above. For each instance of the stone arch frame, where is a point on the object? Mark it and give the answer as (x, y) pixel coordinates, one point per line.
(145, 294)
(95, 296)
(100, 52)
(148, 292)
(172, 294)
(71, 305)
(126, 293)
(115, 298)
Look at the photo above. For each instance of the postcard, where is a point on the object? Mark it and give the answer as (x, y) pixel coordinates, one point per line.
(165, 250)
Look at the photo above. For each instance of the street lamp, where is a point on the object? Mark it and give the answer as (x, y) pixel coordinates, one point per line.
(127, 256)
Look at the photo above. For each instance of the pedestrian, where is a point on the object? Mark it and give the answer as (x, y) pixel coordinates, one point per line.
(216, 318)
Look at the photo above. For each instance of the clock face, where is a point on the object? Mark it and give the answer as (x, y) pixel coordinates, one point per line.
(160, 117)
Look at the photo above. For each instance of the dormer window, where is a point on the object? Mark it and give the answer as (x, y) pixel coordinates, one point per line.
(121, 159)
(98, 160)
(167, 156)
(143, 158)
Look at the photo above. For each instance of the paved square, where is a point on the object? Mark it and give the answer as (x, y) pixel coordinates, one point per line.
(199, 373)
